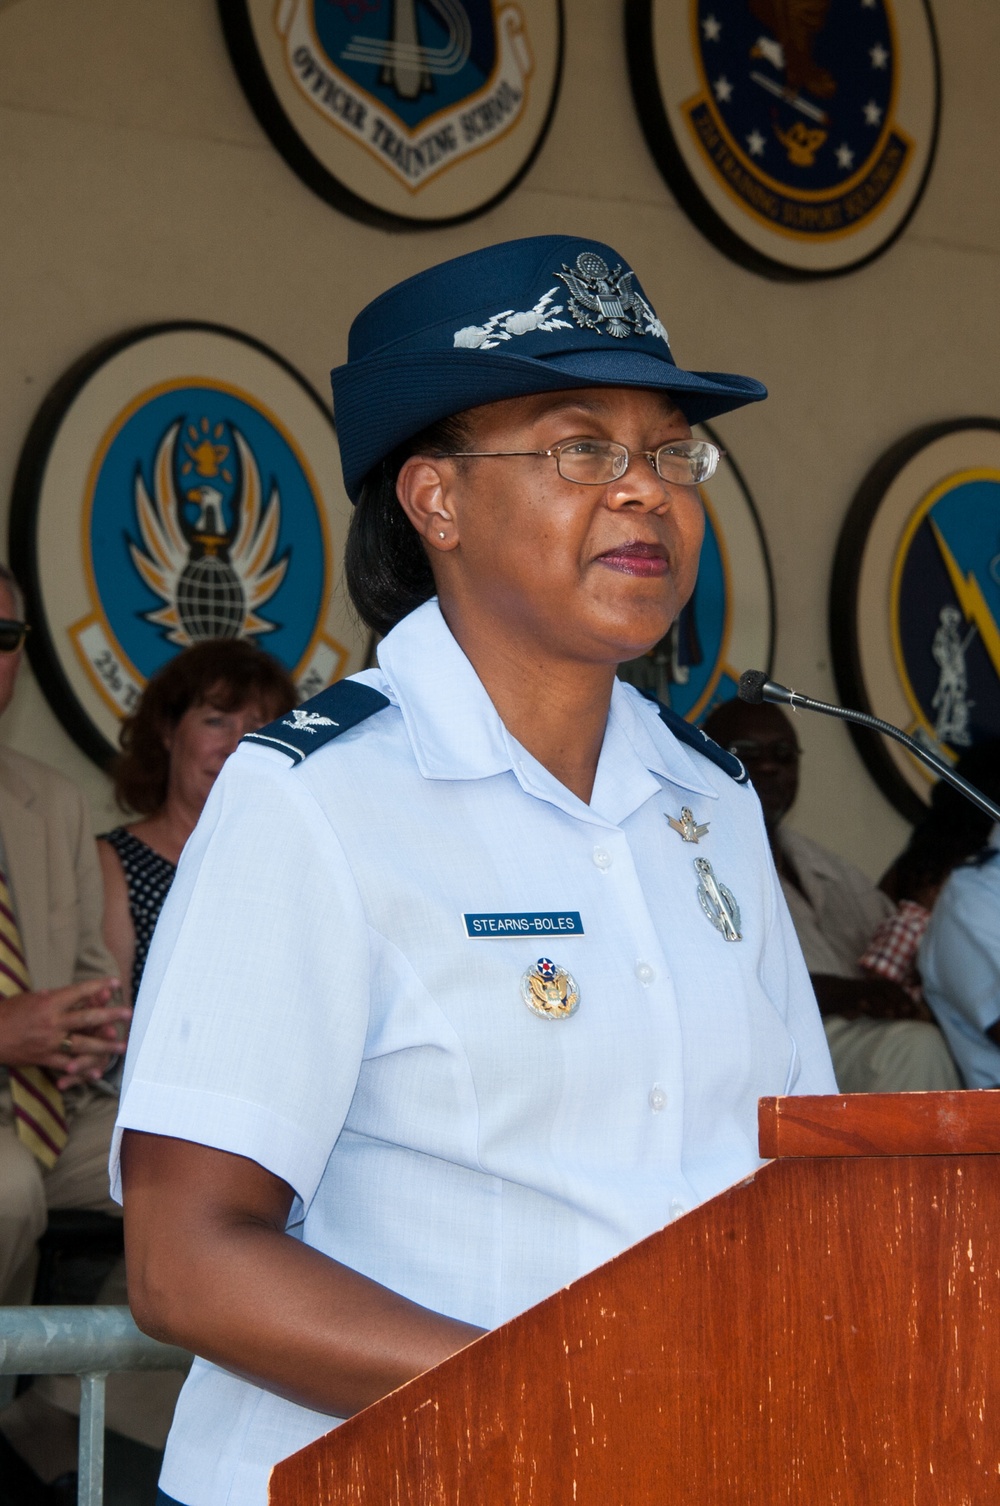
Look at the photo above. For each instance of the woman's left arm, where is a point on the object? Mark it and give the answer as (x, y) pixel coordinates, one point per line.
(210, 1267)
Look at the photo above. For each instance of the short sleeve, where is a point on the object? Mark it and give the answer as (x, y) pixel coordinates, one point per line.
(961, 950)
(252, 1016)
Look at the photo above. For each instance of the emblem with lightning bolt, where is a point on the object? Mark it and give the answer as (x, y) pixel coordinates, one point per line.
(971, 599)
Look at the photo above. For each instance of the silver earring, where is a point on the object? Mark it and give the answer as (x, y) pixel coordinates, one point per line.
(440, 535)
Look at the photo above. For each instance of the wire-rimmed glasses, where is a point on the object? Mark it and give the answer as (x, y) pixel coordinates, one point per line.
(596, 462)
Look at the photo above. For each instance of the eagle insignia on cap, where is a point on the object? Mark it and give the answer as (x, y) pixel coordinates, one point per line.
(599, 297)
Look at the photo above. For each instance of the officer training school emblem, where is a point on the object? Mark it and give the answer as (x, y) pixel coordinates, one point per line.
(421, 111)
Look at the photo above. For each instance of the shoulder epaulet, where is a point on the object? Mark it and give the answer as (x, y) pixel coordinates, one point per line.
(693, 737)
(320, 719)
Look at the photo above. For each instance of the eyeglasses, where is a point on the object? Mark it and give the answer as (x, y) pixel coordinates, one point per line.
(596, 462)
(12, 634)
(754, 752)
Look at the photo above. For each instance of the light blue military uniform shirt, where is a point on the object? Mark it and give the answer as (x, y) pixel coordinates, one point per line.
(313, 1001)
(959, 961)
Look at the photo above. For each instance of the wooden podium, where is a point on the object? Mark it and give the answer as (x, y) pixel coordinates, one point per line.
(825, 1333)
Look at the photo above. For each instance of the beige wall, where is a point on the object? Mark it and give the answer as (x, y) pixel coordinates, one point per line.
(136, 185)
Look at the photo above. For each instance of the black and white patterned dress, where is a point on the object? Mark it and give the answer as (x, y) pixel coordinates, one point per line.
(148, 877)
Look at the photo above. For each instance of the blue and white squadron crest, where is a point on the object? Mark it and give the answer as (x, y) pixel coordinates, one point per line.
(799, 93)
(797, 134)
(183, 486)
(946, 612)
(915, 601)
(212, 564)
(203, 523)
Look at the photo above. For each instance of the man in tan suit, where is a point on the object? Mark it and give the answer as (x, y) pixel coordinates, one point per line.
(67, 1021)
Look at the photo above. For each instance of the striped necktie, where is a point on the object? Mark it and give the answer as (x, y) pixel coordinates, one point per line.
(39, 1111)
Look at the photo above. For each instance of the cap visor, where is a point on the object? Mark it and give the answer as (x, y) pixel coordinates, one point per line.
(409, 392)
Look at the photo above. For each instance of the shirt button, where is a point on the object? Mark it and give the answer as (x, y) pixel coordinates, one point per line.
(677, 1210)
(644, 973)
(602, 857)
(657, 1098)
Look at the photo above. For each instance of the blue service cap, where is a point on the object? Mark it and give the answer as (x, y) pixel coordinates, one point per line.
(544, 314)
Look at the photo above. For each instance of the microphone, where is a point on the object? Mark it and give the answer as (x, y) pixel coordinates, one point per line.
(756, 689)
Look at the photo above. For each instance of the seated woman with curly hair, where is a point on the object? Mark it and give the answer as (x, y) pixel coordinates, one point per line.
(192, 714)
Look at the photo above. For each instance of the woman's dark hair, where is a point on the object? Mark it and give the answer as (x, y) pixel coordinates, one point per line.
(385, 563)
(227, 673)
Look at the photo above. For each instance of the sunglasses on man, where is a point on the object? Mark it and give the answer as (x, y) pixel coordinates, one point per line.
(12, 634)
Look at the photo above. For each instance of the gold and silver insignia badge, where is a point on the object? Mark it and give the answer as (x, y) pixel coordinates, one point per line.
(549, 991)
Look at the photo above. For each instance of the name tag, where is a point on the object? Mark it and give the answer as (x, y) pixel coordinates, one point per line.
(556, 923)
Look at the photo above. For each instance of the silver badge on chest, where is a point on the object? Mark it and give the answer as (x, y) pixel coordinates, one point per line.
(717, 901)
(687, 828)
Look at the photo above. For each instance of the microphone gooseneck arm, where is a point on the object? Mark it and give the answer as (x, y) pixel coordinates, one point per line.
(755, 688)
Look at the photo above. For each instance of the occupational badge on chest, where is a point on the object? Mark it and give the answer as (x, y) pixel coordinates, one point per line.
(717, 901)
(687, 827)
(549, 991)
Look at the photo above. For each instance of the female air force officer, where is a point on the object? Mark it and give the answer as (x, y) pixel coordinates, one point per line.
(474, 968)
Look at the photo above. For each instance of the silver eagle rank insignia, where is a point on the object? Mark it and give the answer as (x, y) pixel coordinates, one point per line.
(308, 721)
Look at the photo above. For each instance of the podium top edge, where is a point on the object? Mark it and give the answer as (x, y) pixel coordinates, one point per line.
(881, 1124)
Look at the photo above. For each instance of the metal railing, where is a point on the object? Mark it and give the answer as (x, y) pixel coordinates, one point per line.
(88, 1342)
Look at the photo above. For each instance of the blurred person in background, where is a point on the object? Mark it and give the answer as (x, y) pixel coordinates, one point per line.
(61, 1020)
(959, 956)
(952, 832)
(881, 1038)
(191, 716)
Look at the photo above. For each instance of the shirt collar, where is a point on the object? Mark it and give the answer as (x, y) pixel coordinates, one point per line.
(451, 722)
(455, 732)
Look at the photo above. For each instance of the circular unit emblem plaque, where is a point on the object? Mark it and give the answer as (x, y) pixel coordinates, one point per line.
(915, 601)
(179, 483)
(797, 134)
(728, 625)
(403, 113)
